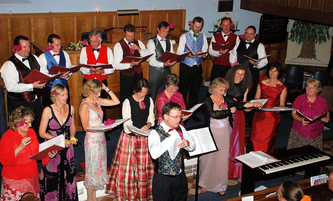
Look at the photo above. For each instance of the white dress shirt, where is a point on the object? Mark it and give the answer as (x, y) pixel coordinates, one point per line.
(217, 53)
(260, 51)
(126, 111)
(84, 60)
(10, 75)
(151, 50)
(118, 55)
(157, 148)
(182, 42)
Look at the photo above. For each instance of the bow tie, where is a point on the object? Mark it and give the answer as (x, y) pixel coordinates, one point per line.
(56, 54)
(130, 43)
(171, 129)
(163, 39)
(224, 35)
(96, 49)
(248, 43)
(195, 35)
(23, 59)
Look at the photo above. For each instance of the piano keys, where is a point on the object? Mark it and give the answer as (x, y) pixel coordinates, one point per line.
(308, 159)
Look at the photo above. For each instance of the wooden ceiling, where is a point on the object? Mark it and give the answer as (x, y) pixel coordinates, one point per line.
(318, 11)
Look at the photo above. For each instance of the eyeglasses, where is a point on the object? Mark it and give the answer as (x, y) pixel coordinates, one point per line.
(30, 122)
(178, 117)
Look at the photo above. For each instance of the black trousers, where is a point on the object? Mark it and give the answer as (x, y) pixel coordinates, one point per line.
(170, 188)
(36, 107)
(190, 81)
(218, 71)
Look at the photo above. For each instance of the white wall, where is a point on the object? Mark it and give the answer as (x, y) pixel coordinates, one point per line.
(204, 8)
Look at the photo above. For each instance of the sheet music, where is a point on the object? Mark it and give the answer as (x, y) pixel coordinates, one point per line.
(204, 141)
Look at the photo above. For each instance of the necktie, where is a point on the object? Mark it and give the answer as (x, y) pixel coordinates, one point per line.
(56, 54)
(23, 59)
(96, 49)
(163, 39)
(195, 35)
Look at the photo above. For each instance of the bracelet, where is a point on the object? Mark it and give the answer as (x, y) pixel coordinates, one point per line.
(108, 90)
(73, 138)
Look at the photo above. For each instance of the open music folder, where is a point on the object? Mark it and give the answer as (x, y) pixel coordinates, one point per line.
(103, 128)
(256, 158)
(192, 109)
(35, 76)
(54, 144)
(204, 141)
(129, 59)
(218, 46)
(56, 69)
(173, 57)
(311, 120)
(194, 53)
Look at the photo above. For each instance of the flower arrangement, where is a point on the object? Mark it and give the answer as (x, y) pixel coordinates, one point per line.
(142, 105)
(49, 48)
(233, 25)
(78, 46)
(223, 106)
(21, 123)
(16, 48)
(171, 25)
(109, 122)
(189, 24)
(279, 87)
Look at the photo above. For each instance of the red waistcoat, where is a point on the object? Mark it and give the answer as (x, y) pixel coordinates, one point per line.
(102, 58)
(224, 58)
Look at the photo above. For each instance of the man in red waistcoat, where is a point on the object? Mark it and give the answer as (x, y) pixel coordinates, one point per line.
(130, 72)
(93, 54)
(221, 58)
(13, 72)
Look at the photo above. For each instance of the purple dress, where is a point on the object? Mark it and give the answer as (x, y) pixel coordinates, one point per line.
(58, 177)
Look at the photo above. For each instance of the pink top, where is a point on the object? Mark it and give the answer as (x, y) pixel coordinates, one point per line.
(162, 99)
(310, 110)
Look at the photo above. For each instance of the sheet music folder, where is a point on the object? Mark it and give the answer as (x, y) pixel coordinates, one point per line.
(204, 141)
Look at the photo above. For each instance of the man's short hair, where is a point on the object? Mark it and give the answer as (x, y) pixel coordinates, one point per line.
(129, 28)
(18, 38)
(252, 27)
(170, 106)
(95, 32)
(199, 20)
(163, 24)
(50, 38)
(225, 18)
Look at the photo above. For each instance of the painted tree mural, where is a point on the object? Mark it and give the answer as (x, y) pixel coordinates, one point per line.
(308, 34)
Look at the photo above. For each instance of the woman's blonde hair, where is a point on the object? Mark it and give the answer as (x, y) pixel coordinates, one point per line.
(91, 86)
(316, 84)
(18, 115)
(56, 90)
(218, 82)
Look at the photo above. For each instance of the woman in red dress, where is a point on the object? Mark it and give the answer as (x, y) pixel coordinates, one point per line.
(240, 81)
(265, 124)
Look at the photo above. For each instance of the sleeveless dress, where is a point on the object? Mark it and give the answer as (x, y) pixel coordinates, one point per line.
(95, 152)
(237, 135)
(132, 169)
(58, 177)
(265, 124)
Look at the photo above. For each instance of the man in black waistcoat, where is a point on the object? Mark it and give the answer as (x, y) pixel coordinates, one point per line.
(13, 72)
(251, 48)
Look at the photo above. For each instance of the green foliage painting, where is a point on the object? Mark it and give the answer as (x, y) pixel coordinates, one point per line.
(308, 34)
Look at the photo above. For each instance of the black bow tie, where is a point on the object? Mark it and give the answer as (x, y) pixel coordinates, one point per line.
(96, 49)
(248, 43)
(23, 59)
